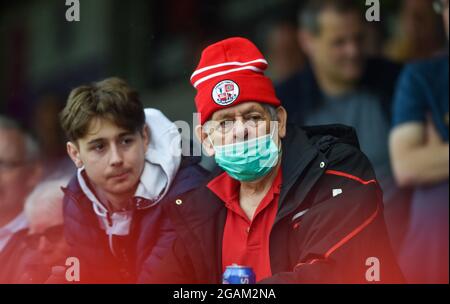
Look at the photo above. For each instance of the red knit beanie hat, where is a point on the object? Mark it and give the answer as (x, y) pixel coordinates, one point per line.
(230, 72)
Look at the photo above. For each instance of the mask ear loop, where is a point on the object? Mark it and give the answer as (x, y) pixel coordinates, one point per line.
(272, 129)
(210, 140)
(272, 133)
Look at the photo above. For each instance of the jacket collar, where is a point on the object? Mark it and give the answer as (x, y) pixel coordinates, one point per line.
(304, 160)
(298, 154)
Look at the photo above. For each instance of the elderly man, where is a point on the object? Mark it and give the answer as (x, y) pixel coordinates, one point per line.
(296, 205)
(32, 252)
(19, 173)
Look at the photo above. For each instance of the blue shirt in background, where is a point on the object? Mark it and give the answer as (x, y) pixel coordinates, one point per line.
(423, 89)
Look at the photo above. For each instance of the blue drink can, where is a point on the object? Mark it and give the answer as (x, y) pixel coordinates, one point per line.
(236, 274)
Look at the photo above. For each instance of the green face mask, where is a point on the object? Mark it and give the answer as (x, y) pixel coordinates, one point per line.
(248, 160)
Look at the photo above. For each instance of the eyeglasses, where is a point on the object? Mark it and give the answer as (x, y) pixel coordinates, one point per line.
(226, 126)
(53, 235)
(440, 5)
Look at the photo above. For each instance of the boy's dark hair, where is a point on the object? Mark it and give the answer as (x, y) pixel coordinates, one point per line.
(111, 98)
(309, 13)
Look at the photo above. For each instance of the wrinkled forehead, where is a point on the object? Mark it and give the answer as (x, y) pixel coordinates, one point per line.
(238, 110)
(12, 144)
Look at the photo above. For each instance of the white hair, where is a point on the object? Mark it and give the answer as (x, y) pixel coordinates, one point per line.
(31, 147)
(271, 110)
(44, 203)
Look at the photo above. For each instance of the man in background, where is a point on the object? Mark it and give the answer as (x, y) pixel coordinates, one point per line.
(19, 173)
(32, 252)
(420, 158)
(341, 84)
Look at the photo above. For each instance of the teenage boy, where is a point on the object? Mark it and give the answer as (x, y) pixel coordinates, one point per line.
(129, 161)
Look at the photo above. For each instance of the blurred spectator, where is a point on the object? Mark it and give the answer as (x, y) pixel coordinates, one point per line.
(283, 51)
(341, 84)
(32, 252)
(19, 172)
(374, 38)
(420, 158)
(51, 137)
(419, 32)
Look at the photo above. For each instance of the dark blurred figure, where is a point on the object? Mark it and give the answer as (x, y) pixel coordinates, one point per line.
(283, 51)
(51, 137)
(32, 253)
(20, 171)
(341, 84)
(374, 38)
(418, 34)
(420, 158)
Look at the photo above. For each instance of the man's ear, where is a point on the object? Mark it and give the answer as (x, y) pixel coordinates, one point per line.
(282, 120)
(146, 136)
(203, 139)
(74, 154)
